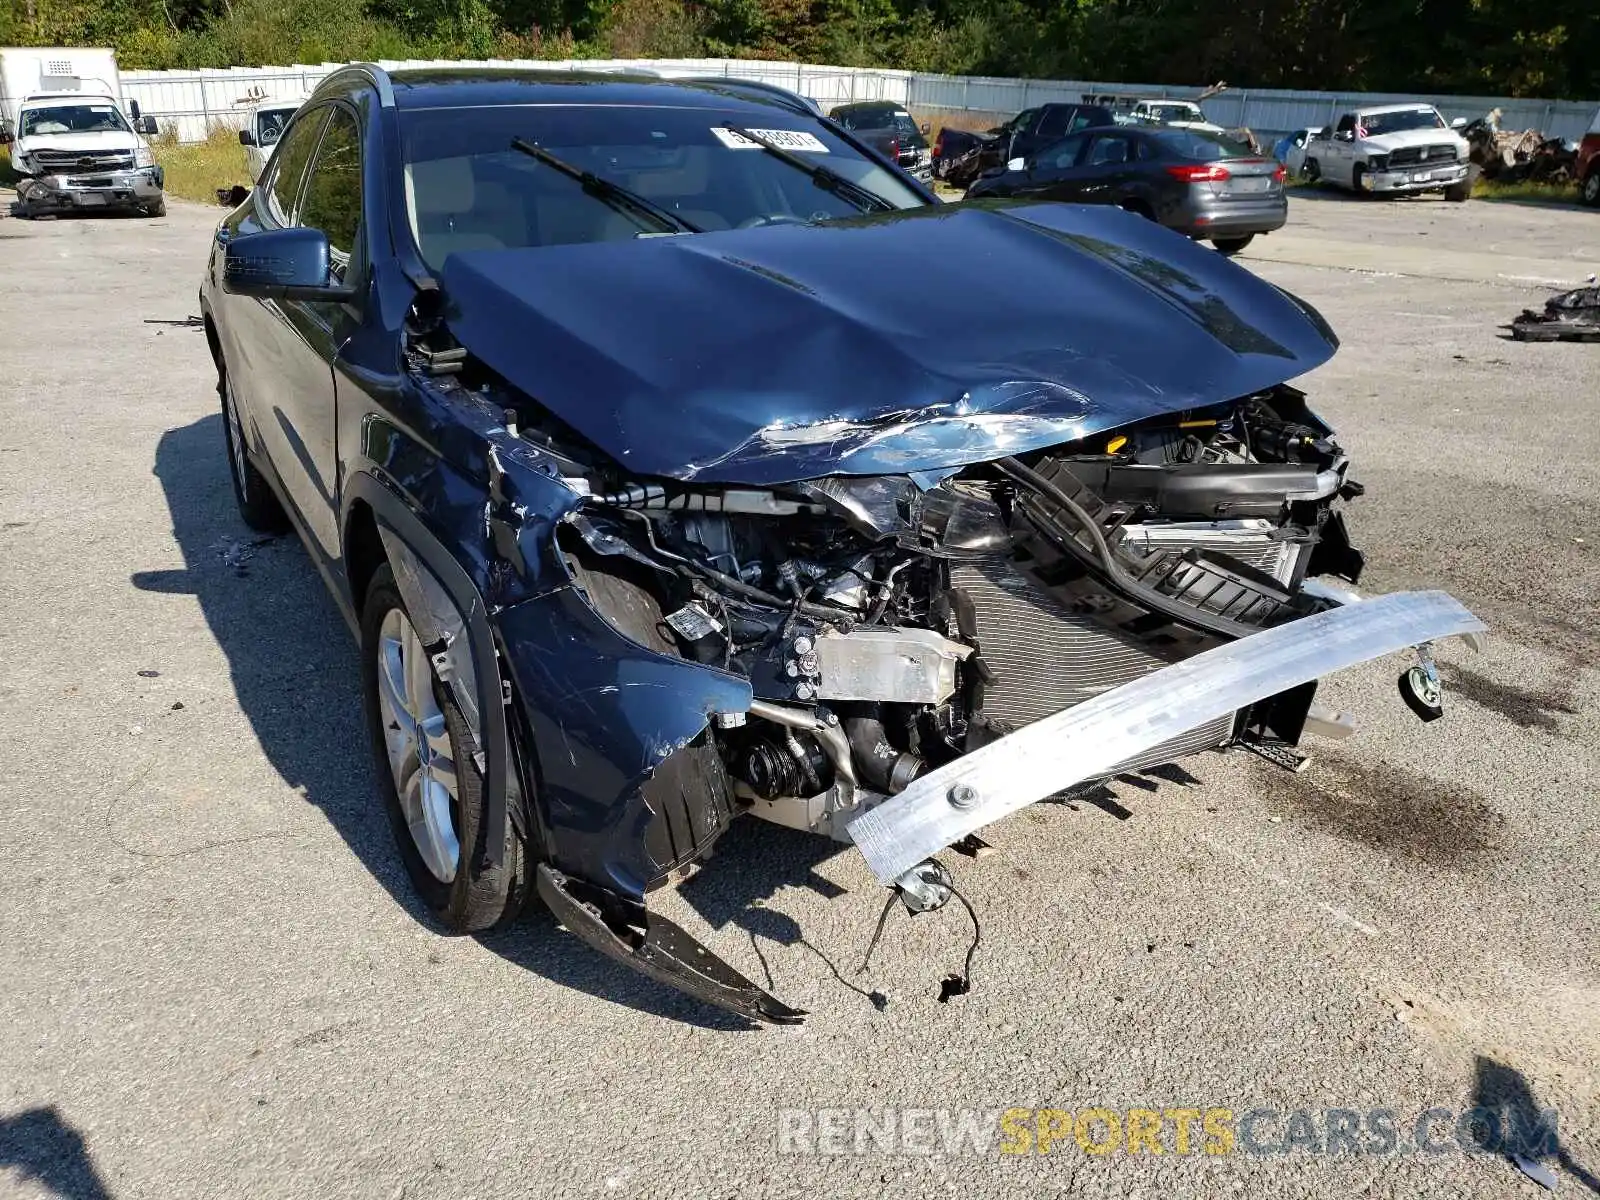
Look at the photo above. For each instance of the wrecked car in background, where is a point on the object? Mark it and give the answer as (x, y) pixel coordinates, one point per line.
(656, 499)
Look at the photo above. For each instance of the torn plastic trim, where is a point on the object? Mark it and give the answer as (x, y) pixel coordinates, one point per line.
(398, 527)
(628, 932)
(443, 629)
(1089, 739)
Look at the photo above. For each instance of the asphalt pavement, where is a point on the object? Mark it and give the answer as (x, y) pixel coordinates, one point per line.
(214, 981)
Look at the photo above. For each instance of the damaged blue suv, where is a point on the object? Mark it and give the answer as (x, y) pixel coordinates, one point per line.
(677, 459)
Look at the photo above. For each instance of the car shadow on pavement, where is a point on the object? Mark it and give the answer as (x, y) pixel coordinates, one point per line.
(1522, 1127)
(40, 1147)
(296, 675)
(291, 659)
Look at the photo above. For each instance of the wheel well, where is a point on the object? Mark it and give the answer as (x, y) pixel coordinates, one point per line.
(1139, 208)
(212, 342)
(363, 551)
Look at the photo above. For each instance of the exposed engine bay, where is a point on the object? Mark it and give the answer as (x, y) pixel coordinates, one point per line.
(891, 624)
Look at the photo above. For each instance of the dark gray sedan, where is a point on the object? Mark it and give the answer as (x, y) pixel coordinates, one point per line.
(1201, 184)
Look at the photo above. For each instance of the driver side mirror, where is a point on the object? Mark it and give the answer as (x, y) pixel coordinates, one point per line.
(1017, 164)
(246, 138)
(1459, 123)
(1346, 135)
(147, 126)
(282, 264)
(133, 109)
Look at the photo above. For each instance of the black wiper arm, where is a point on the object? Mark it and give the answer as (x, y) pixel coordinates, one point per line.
(614, 194)
(862, 198)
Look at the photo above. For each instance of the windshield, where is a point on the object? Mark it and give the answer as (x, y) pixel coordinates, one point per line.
(73, 118)
(270, 123)
(1373, 124)
(468, 189)
(1174, 112)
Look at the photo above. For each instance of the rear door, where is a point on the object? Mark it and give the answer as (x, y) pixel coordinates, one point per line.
(1337, 155)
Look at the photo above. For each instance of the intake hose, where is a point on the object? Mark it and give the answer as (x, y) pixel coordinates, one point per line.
(878, 764)
(1103, 562)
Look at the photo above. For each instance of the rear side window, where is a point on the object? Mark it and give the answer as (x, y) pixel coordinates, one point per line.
(1057, 121)
(332, 199)
(289, 165)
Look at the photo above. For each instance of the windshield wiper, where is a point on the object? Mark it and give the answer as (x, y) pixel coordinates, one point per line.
(828, 180)
(614, 194)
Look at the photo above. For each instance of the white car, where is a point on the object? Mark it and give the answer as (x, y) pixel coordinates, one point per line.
(262, 129)
(1394, 148)
(1185, 114)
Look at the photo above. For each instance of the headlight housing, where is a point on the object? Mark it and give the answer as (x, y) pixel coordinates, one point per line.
(1378, 162)
(143, 157)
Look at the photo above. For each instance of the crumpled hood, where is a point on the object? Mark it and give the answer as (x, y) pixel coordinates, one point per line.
(927, 339)
(1406, 138)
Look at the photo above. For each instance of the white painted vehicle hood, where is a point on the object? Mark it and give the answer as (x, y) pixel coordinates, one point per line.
(71, 142)
(1386, 143)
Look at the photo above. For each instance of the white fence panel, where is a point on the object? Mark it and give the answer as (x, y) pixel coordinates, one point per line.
(192, 103)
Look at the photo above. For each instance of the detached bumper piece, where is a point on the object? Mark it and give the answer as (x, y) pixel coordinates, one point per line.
(1088, 740)
(1567, 317)
(625, 930)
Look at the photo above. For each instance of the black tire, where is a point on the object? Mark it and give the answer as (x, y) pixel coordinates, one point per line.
(1459, 193)
(257, 502)
(1357, 173)
(1232, 246)
(1589, 189)
(158, 209)
(480, 897)
(1311, 169)
(1139, 209)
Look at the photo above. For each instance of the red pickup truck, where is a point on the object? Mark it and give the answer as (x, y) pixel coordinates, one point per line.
(1589, 165)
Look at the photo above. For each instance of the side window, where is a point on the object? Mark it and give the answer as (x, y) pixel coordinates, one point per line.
(1347, 123)
(1080, 120)
(1064, 153)
(1054, 121)
(332, 200)
(289, 165)
(1108, 148)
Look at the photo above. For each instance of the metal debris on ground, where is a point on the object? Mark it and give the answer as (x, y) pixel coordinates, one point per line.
(1507, 156)
(1567, 317)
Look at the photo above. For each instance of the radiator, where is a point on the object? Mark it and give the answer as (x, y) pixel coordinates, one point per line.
(1046, 658)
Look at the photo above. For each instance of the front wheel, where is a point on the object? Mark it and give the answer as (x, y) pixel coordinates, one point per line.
(156, 209)
(1456, 193)
(431, 785)
(1589, 192)
(1357, 174)
(1311, 170)
(1233, 245)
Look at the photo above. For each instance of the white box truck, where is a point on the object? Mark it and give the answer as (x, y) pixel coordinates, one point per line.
(71, 139)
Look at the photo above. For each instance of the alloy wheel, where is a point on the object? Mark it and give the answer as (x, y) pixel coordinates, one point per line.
(422, 756)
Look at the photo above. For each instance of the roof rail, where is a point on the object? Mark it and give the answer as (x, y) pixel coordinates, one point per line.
(376, 74)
